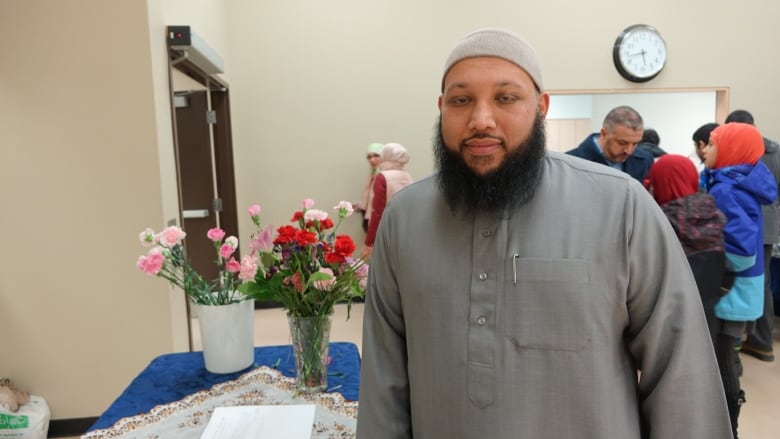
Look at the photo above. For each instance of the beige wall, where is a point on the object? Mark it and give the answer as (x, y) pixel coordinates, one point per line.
(313, 83)
(87, 163)
(86, 149)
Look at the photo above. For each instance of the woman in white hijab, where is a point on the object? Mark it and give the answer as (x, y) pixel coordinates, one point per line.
(364, 206)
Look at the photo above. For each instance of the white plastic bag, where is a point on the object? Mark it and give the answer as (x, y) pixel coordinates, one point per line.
(30, 422)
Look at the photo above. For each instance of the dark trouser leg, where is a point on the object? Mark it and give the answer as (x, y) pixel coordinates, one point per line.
(727, 363)
(774, 271)
(761, 338)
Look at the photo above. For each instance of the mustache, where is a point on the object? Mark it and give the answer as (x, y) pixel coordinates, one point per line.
(481, 136)
(484, 136)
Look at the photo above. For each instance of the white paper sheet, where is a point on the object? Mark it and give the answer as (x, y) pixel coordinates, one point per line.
(261, 422)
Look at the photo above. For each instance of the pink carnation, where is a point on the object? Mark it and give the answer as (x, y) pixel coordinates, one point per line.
(152, 263)
(233, 266)
(248, 268)
(308, 203)
(226, 250)
(171, 236)
(314, 215)
(216, 234)
(344, 208)
(254, 210)
(361, 273)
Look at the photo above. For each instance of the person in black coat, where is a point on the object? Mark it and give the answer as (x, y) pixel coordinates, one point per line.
(651, 142)
(616, 143)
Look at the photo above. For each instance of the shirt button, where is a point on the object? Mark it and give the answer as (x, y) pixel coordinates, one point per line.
(482, 321)
(485, 233)
(482, 276)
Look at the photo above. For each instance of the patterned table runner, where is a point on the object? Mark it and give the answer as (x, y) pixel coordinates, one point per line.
(187, 418)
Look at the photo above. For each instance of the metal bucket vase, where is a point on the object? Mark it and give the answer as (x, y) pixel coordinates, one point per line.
(310, 338)
(227, 333)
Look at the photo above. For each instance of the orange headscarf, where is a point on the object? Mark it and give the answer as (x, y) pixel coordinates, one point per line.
(671, 177)
(738, 143)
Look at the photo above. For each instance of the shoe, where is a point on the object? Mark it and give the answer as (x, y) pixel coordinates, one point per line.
(762, 355)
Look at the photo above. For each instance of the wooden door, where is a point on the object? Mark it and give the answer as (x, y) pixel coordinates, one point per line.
(196, 179)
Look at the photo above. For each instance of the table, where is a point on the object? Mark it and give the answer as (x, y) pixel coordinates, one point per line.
(171, 377)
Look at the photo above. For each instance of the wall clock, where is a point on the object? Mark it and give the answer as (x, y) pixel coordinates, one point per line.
(639, 53)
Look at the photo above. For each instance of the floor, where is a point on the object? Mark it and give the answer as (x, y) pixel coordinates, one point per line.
(760, 417)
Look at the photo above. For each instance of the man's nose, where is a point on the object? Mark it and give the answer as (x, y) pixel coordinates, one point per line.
(482, 118)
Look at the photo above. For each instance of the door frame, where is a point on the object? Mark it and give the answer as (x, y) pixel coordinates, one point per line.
(222, 145)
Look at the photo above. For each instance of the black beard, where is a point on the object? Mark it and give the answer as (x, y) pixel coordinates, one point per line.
(509, 186)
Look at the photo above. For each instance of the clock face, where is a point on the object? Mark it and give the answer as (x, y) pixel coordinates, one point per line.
(639, 53)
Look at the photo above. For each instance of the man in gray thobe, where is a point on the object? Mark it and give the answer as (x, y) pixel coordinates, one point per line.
(518, 293)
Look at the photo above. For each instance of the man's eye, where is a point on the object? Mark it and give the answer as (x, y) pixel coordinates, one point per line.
(507, 99)
(459, 100)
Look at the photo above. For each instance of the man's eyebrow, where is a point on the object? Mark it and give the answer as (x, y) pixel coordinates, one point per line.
(463, 85)
(511, 84)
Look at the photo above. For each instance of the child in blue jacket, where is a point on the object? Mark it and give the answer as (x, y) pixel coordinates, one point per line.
(740, 184)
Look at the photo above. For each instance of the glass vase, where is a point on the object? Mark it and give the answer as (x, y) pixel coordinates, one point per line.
(310, 337)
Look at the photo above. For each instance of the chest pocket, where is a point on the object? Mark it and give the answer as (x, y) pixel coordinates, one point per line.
(550, 304)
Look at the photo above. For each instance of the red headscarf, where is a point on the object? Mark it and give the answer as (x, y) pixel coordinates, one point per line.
(738, 143)
(671, 177)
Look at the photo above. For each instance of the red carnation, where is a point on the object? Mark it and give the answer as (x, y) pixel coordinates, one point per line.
(305, 237)
(286, 234)
(334, 258)
(344, 246)
(326, 224)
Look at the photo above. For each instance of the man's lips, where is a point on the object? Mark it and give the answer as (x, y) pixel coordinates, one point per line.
(482, 146)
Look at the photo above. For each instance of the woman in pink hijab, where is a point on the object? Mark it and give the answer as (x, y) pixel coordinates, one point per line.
(391, 178)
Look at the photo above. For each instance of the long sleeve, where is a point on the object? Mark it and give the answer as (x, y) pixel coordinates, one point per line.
(482, 324)
(667, 335)
(377, 208)
(385, 408)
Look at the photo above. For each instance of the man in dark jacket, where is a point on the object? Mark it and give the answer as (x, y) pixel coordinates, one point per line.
(616, 144)
(759, 343)
(651, 142)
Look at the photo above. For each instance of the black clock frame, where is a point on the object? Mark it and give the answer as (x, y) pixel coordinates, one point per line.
(616, 55)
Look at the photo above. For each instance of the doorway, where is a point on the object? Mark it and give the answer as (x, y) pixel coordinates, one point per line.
(674, 113)
(204, 162)
(204, 176)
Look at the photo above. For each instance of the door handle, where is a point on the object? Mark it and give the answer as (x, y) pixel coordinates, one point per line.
(195, 213)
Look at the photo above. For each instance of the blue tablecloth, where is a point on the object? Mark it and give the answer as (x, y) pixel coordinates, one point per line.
(171, 377)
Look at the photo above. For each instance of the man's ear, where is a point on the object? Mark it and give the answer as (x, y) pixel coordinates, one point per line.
(544, 104)
(441, 97)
